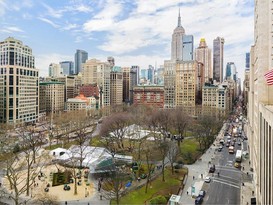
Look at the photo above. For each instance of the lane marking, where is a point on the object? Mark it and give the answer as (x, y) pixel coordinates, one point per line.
(229, 184)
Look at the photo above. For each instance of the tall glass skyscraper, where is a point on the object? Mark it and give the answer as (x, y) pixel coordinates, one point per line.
(187, 53)
(80, 57)
(151, 74)
(231, 72)
(67, 67)
(247, 60)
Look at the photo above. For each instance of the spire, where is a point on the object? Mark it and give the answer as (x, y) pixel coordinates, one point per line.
(179, 19)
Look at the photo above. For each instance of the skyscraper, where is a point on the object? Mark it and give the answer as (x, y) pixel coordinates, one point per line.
(151, 74)
(218, 59)
(231, 72)
(67, 67)
(203, 55)
(80, 57)
(19, 87)
(247, 60)
(182, 45)
(135, 69)
(177, 41)
(187, 48)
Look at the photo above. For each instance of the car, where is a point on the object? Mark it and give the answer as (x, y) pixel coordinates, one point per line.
(199, 200)
(227, 145)
(212, 169)
(219, 149)
(207, 179)
(239, 143)
(222, 141)
(232, 144)
(237, 165)
(202, 193)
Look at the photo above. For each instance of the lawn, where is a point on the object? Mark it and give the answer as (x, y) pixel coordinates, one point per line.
(189, 151)
(167, 188)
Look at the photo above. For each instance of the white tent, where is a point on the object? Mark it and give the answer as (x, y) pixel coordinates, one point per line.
(58, 152)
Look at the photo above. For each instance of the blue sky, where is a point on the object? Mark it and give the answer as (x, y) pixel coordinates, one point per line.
(134, 32)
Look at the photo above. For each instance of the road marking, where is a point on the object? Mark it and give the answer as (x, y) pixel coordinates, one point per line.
(222, 182)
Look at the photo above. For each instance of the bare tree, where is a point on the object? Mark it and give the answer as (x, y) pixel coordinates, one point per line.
(149, 156)
(17, 166)
(180, 121)
(116, 126)
(172, 152)
(114, 185)
(45, 198)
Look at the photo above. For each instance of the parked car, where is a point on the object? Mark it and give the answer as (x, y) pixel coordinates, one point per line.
(220, 149)
(239, 143)
(198, 200)
(207, 179)
(202, 193)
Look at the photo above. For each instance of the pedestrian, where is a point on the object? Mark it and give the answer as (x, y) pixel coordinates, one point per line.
(65, 202)
(202, 176)
(249, 162)
(252, 193)
(100, 197)
(193, 177)
(246, 173)
(243, 168)
(187, 193)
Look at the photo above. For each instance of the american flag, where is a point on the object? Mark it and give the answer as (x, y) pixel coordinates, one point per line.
(269, 77)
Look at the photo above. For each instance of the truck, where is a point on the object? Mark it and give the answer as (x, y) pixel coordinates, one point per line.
(231, 150)
(238, 157)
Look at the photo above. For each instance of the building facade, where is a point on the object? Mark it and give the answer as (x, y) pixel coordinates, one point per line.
(54, 70)
(67, 67)
(169, 83)
(116, 88)
(218, 59)
(260, 106)
(150, 95)
(51, 97)
(188, 45)
(19, 87)
(89, 90)
(203, 55)
(231, 71)
(186, 83)
(98, 72)
(81, 57)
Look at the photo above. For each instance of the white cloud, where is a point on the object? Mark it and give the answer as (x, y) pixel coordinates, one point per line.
(11, 29)
(3, 7)
(49, 22)
(42, 61)
(105, 18)
(55, 13)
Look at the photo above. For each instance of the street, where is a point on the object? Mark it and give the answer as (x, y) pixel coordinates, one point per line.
(225, 188)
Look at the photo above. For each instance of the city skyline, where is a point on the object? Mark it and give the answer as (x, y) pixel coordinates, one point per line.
(137, 33)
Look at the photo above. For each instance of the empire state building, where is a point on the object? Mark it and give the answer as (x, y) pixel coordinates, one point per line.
(182, 45)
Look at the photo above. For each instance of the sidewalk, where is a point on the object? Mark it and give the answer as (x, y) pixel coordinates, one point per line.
(196, 174)
(198, 171)
(247, 188)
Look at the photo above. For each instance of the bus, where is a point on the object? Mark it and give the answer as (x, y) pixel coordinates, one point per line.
(238, 157)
